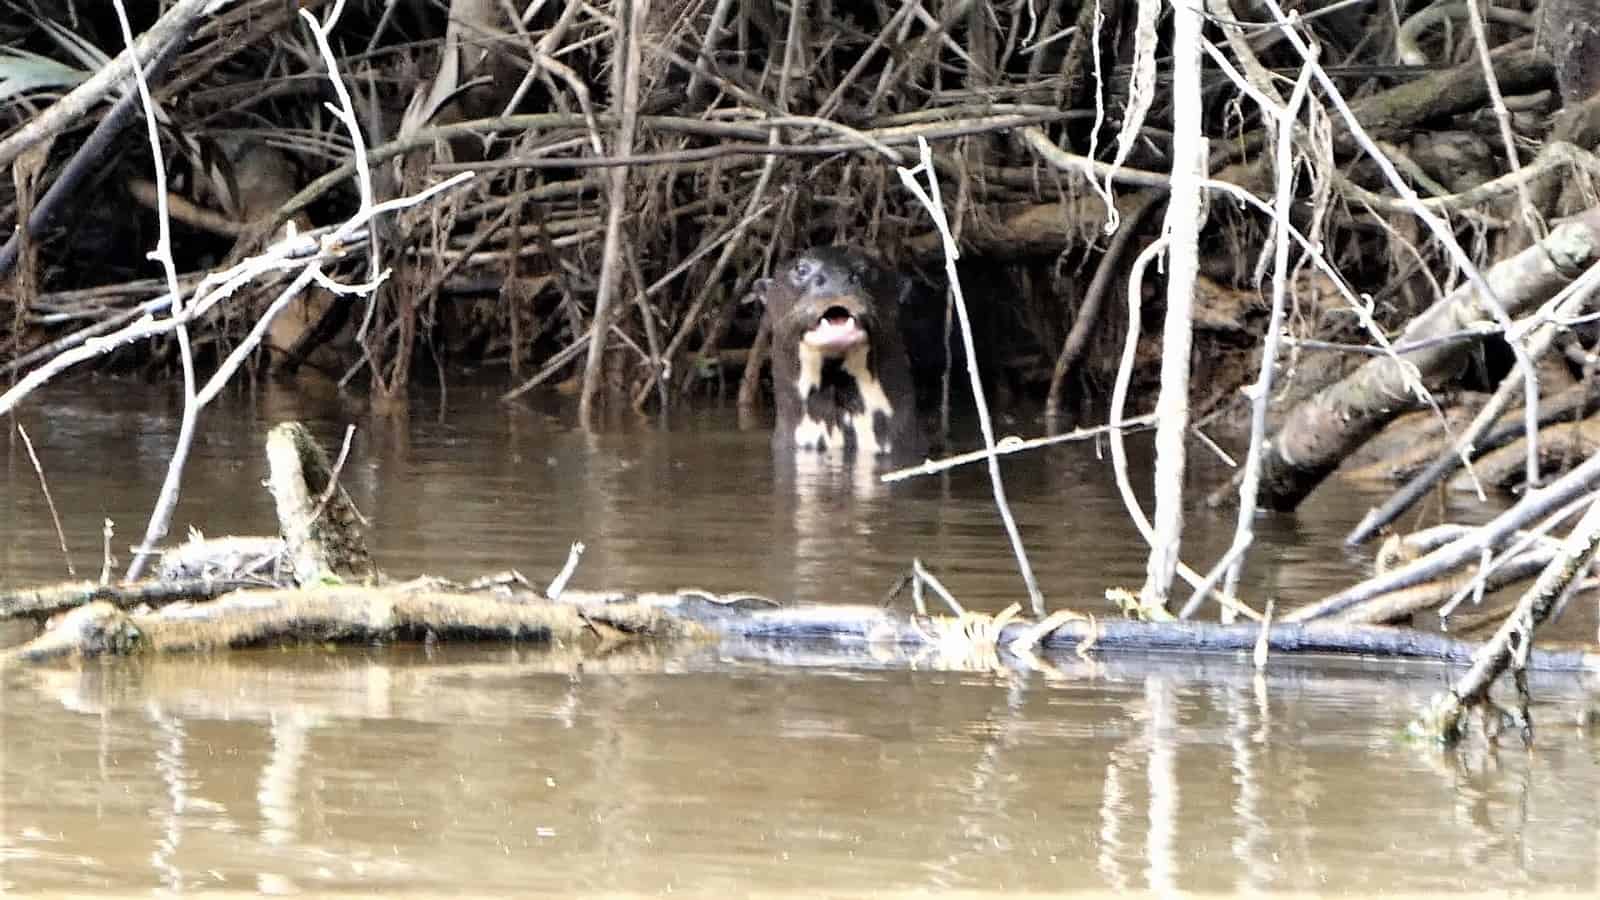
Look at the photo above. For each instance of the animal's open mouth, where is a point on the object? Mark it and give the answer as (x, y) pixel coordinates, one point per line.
(836, 331)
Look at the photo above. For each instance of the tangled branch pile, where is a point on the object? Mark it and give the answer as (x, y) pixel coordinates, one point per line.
(641, 163)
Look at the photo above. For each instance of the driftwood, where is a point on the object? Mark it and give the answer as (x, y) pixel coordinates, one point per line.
(1401, 604)
(594, 624)
(333, 615)
(1422, 461)
(1559, 444)
(323, 610)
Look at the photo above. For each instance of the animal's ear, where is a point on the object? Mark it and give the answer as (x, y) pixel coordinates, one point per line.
(758, 291)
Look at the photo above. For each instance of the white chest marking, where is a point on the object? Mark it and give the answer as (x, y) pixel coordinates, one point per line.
(873, 401)
(810, 370)
(812, 434)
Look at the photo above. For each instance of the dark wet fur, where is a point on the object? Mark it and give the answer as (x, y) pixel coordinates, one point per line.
(797, 296)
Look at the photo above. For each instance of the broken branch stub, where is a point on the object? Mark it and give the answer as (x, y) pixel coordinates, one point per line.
(321, 529)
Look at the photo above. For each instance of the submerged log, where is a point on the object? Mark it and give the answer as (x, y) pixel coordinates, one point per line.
(1428, 448)
(342, 614)
(333, 614)
(1401, 604)
(322, 537)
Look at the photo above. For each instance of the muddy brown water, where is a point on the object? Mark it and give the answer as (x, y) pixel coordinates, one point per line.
(498, 770)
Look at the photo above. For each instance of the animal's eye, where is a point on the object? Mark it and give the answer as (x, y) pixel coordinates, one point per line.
(803, 270)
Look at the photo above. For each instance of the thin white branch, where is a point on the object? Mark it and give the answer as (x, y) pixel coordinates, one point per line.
(559, 583)
(213, 289)
(931, 200)
(922, 576)
(1007, 446)
(1119, 399)
(167, 499)
(1185, 215)
(1261, 392)
(346, 113)
(236, 357)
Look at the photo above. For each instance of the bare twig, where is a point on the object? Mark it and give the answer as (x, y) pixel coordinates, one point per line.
(922, 576)
(1261, 392)
(1012, 444)
(1441, 230)
(1572, 297)
(107, 561)
(626, 59)
(1530, 214)
(1117, 424)
(332, 489)
(90, 155)
(1535, 504)
(220, 286)
(1088, 311)
(44, 485)
(1512, 644)
(931, 200)
(168, 498)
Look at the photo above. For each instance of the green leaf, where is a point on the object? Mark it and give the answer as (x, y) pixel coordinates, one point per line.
(22, 71)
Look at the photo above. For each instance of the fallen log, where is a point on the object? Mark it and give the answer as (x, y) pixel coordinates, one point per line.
(362, 615)
(1400, 605)
(1430, 458)
(332, 614)
(1573, 402)
(326, 541)
(1324, 429)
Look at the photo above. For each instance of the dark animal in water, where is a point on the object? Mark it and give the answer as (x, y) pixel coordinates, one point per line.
(840, 373)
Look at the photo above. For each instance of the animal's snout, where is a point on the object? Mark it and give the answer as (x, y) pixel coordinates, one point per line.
(835, 325)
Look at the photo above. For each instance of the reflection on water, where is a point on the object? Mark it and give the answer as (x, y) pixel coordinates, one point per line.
(725, 770)
(515, 770)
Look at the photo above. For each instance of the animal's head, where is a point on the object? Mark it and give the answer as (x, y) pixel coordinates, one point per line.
(832, 300)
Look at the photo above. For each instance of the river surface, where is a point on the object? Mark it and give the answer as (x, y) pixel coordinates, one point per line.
(497, 770)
